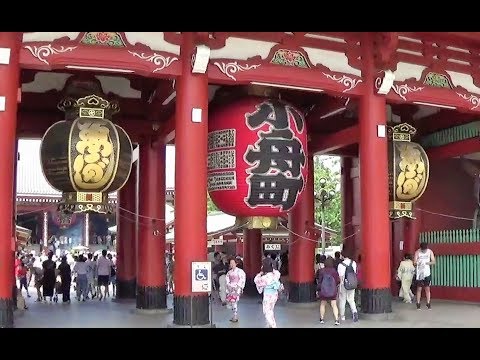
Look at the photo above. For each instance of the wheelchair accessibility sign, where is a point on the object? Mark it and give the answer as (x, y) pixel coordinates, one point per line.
(201, 276)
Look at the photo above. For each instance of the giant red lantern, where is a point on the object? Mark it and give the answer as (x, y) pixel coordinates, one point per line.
(256, 157)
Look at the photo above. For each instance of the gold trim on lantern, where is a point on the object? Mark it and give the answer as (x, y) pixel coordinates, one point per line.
(76, 107)
(85, 112)
(258, 222)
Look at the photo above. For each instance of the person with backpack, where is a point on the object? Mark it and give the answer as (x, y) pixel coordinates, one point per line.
(347, 270)
(327, 288)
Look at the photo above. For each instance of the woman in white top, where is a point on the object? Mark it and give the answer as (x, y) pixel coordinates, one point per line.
(424, 259)
(81, 268)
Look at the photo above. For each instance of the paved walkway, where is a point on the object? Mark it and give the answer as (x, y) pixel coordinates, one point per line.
(110, 314)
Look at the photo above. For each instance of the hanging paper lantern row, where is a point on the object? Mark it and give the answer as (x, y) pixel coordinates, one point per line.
(257, 151)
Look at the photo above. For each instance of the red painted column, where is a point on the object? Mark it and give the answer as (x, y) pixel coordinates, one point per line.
(14, 222)
(126, 239)
(151, 282)
(190, 187)
(375, 224)
(252, 259)
(302, 248)
(9, 82)
(411, 234)
(346, 187)
(239, 247)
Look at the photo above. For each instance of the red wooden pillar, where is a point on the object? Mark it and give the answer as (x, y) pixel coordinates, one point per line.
(239, 247)
(375, 224)
(191, 128)
(151, 289)
(126, 238)
(411, 234)
(302, 250)
(9, 82)
(347, 206)
(14, 223)
(252, 259)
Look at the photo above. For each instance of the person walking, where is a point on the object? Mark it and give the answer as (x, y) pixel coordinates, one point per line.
(327, 288)
(405, 273)
(347, 271)
(268, 283)
(424, 259)
(80, 268)
(235, 283)
(65, 279)
(49, 277)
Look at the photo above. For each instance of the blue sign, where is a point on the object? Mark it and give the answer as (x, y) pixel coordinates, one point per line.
(201, 279)
(201, 274)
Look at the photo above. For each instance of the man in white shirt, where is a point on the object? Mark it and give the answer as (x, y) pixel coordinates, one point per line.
(104, 268)
(80, 268)
(424, 259)
(345, 295)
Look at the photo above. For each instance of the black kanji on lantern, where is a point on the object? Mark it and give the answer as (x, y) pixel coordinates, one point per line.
(275, 113)
(277, 149)
(277, 158)
(275, 190)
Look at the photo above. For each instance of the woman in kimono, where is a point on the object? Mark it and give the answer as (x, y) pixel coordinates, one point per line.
(405, 273)
(235, 282)
(268, 282)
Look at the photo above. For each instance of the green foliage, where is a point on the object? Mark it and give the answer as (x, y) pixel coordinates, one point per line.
(211, 207)
(328, 167)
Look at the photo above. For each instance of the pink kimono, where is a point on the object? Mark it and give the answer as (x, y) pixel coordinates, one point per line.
(270, 285)
(235, 282)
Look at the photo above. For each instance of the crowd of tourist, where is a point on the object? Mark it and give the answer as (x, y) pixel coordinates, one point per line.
(337, 279)
(91, 276)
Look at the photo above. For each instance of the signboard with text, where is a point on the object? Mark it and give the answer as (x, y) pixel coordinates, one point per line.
(273, 247)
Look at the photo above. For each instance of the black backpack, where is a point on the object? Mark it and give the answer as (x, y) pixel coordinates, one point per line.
(350, 281)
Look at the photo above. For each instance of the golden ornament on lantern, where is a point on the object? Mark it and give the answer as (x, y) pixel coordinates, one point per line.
(86, 156)
(408, 170)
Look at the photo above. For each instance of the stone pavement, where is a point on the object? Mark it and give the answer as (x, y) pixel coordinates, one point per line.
(108, 314)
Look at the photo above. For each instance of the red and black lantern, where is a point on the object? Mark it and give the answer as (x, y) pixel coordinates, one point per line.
(257, 157)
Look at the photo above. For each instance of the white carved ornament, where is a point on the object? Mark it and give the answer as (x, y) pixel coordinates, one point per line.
(233, 67)
(404, 89)
(44, 51)
(344, 80)
(159, 60)
(475, 101)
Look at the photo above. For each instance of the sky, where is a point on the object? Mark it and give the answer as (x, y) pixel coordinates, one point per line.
(29, 145)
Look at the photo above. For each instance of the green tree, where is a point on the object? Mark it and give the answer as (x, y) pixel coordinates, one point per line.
(328, 167)
(211, 207)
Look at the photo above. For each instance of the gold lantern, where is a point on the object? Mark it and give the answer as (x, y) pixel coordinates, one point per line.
(408, 170)
(86, 156)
